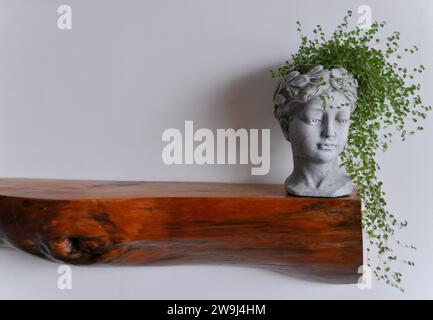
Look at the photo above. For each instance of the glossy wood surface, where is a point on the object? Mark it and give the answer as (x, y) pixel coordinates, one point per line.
(172, 223)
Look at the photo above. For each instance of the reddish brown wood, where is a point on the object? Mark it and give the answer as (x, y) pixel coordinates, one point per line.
(163, 223)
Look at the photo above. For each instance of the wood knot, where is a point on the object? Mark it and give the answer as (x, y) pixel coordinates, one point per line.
(76, 249)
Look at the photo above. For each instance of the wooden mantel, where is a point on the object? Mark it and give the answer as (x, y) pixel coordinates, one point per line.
(170, 223)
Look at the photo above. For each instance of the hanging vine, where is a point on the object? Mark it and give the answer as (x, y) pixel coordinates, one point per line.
(389, 104)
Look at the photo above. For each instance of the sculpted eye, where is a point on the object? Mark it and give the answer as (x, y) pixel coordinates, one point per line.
(315, 121)
(343, 121)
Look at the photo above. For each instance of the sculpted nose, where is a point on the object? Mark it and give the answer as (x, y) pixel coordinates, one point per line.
(328, 130)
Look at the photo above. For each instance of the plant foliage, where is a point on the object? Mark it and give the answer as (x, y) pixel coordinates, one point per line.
(389, 104)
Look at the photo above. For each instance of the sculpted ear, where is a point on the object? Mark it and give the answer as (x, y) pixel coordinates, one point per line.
(284, 123)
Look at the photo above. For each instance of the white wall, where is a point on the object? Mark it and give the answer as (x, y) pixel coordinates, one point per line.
(92, 103)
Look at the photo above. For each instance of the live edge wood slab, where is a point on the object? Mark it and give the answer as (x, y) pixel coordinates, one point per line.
(87, 222)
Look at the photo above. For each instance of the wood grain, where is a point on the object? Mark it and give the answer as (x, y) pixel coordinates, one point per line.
(172, 223)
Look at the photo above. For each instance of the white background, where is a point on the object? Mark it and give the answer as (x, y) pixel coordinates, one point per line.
(92, 103)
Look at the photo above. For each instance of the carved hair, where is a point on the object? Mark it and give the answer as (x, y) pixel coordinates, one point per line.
(297, 88)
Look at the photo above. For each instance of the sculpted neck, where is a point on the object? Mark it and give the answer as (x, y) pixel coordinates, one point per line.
(313, 174)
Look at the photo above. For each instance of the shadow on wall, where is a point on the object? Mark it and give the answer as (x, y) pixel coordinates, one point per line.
(246, 102)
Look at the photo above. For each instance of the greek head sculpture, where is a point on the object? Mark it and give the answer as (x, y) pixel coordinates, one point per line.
(314, 111)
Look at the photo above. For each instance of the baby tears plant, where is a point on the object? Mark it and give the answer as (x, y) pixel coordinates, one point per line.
(388, 105)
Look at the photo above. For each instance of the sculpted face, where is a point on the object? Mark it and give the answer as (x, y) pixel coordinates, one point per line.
(319, 134)
(314, 111)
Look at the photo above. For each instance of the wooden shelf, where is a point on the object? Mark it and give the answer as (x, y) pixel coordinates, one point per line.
(170, 223)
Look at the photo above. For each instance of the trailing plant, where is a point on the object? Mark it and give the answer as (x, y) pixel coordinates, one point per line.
(388, 104)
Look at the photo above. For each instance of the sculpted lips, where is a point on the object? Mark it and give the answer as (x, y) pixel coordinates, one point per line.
(327, 146)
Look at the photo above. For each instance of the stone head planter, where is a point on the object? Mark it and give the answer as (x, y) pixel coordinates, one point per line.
(314, 111)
